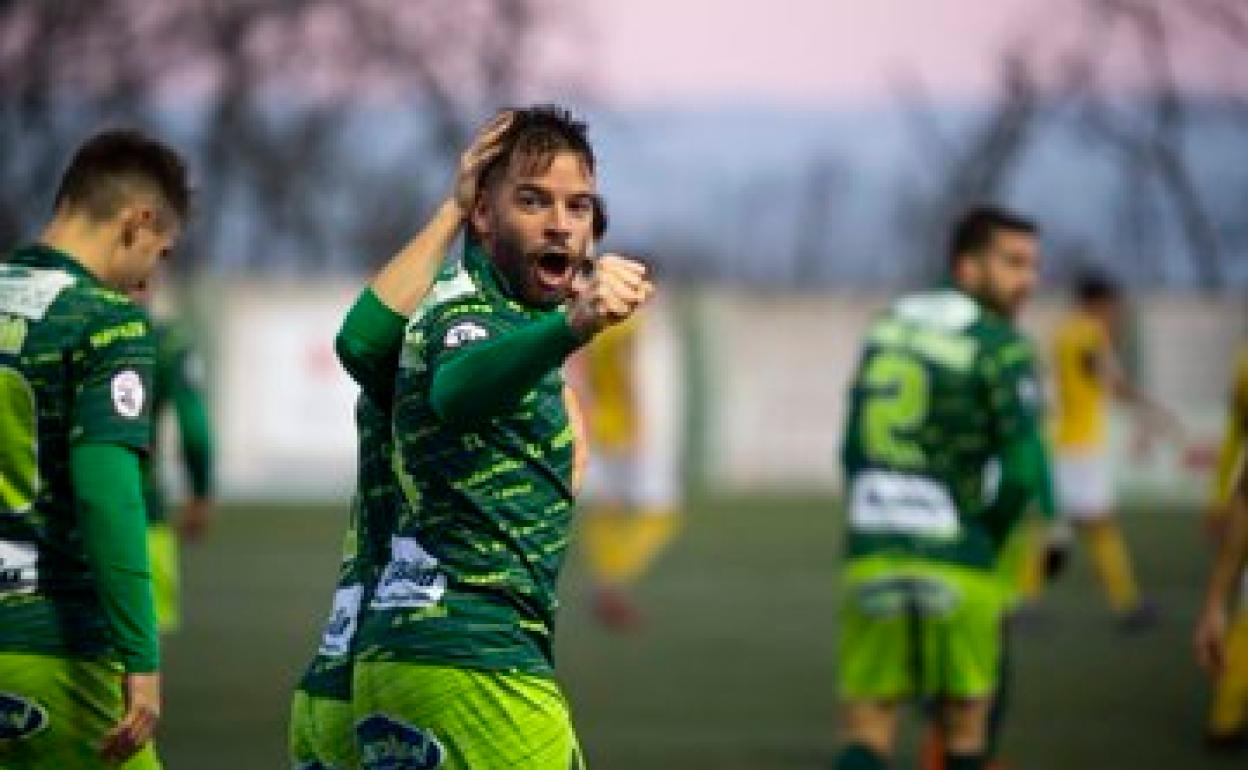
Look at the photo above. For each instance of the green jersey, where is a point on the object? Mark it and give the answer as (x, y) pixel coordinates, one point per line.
(943, 386)
(485, 513)
(75, 368)
(178, 382)
(364, 551)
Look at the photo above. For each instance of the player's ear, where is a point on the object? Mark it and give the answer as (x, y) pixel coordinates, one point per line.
(480, 214)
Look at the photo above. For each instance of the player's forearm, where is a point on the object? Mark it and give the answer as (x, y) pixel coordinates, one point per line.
(1231, 559)
(1229, 459)
(368, 345)
(406, 278)
(197, 444)
(108, 491)
(1025, 478)
(492, 377)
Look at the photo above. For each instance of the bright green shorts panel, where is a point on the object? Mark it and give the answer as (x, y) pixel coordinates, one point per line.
(322, 734)
(430, 716)
(916, 628)
(162, 549)
(55, 713)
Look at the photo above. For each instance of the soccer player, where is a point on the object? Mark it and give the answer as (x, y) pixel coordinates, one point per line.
(632, 491)
(943, 453)
(1222, 642)
(322, 733)
(79, 649)
(455, 664)
(1087, 374)
(177, 383)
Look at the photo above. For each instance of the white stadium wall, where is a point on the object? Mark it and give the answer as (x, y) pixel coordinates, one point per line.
(766, 378)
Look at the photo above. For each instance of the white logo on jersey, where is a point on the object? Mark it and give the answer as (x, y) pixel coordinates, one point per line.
(465, 332)
(340, 629)
(19, 567)
(411, 580)
(128, 394)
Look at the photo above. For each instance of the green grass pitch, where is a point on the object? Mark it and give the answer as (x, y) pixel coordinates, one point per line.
(735, 668)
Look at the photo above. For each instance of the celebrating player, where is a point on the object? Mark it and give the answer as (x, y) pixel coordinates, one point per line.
(79, 651)
(455, 662)
(321, 727)
(945, 391)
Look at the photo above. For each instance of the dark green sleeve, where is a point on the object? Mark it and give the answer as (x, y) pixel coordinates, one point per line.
(108, 493)
(368, 346)
(1024, 480)
(480, 376)
(112, 380)
(194, 427)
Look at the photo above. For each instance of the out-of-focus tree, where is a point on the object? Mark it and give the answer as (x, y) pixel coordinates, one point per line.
(1146, 128)
(318, 130)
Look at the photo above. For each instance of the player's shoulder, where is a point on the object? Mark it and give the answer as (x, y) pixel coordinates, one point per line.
(946, 310)
(455, 292)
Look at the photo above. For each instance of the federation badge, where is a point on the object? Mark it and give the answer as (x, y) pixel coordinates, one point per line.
(128, 393)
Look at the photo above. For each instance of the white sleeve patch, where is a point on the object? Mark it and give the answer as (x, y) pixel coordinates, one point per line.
(128, 393)
(463, 333)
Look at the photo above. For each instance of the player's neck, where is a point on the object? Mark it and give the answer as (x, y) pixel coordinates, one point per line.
(81, 241)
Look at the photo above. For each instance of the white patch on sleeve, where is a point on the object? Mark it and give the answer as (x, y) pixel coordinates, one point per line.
(340, 629)
(128, 393)
(463, 333)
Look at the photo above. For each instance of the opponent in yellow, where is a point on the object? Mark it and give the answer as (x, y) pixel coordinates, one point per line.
(1222, 638)
(632, 390)
(1087, 376)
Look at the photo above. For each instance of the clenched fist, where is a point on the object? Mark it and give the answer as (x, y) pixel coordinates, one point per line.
(616, 289)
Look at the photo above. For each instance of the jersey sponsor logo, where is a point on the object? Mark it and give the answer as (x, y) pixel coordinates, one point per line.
(19, 568)
(19, 717)
(388, 744)
(886, 503)
(31, 293)
(128, 393)
(411, 580)
(340, 628)
(463, 333)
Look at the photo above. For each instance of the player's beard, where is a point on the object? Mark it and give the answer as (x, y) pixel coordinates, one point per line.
(517, 267)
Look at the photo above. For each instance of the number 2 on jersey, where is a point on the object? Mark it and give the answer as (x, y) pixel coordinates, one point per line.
(896, 402)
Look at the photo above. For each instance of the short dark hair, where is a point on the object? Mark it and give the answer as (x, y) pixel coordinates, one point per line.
(975, 230)
(1093, 286)
(539, 132)
(601, 220)
(104, 170)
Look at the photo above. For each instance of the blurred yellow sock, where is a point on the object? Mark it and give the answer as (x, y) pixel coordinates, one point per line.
(1112, 563)
(1229, 711)
(621, 546)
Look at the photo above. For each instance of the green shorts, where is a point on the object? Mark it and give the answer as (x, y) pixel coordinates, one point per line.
(321, 734)
(162, 550)
(420, 717)
(913, 628)
(55, 713)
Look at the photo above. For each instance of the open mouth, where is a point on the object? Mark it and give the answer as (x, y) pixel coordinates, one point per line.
(555, 269)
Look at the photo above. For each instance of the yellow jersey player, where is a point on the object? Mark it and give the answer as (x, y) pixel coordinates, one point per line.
(1088, 375)
(632, 405)
(1222, 643)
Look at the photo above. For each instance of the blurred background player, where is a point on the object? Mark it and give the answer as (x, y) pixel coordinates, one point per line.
(1088, 374)
(630, 388)
(178, 383)
(79, 650)
(946, 389)
(322, 731)
(1222, 642)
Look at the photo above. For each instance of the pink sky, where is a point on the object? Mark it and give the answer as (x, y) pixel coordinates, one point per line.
(819, 51)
